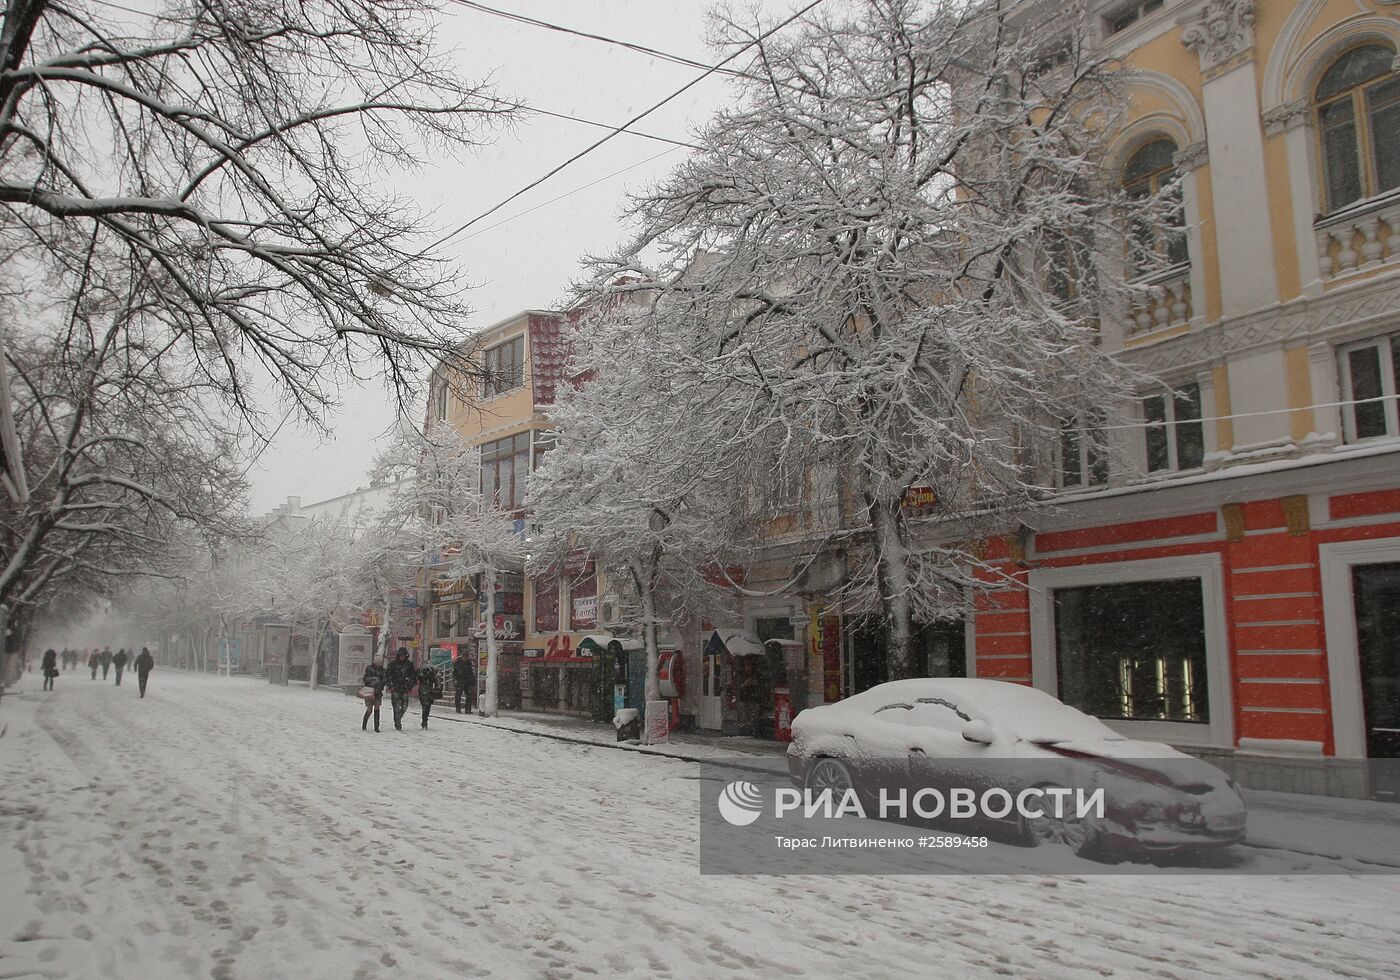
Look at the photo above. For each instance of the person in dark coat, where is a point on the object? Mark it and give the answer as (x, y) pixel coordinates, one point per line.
(400, 678)
(429, 688)
(375, 677)
(94, 661)
(464, 683)
(144, 664)
(119, 662)
(106, 661)
(50, 668)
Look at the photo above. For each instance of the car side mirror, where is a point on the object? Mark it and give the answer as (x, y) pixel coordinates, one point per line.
(978, 731)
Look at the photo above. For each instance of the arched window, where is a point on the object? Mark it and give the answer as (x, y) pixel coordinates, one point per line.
(1149, 172)
(1358, 122)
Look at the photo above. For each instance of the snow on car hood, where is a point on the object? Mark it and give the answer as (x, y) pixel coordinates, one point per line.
(1118, 748)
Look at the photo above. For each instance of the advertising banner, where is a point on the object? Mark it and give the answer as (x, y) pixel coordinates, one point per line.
(276, 643)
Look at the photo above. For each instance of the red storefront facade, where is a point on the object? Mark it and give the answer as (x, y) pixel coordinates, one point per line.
(1248, 584)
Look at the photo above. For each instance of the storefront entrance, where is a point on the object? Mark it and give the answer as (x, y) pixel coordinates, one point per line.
(711, 712)
(1376, 589)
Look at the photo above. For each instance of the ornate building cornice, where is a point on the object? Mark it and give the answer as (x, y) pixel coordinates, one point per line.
(1287, 116)
(1192, 156)
(1220, 33)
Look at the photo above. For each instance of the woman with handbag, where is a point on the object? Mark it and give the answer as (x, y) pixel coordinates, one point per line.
(372, 691)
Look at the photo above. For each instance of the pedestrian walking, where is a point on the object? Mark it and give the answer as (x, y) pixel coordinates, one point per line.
(400, 679)
(144, 664)
(373, 683)
(106, 661)
(119, 662)
(94, 661)
(50, 668)
(463, 684)
(429, 688)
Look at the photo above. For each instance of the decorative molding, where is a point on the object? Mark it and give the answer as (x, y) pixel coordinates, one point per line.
(1221, 32)
(1194, 155)
(1233, 513)
(1300, 320)
(1295, 514)
(1284, 117)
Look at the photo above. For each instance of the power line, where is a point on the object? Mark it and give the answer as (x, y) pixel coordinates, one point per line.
(624, 127)
(629, 45)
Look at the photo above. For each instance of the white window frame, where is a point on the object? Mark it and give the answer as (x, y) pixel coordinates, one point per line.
(1169, 427)
(1389, 384)
(1085, 482)
(1219, 731)
(490, 385)
(1335, 563)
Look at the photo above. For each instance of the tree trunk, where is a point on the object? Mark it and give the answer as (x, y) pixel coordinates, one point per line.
(892, 576)
(384, 634)
(653, 684)
(488, 701)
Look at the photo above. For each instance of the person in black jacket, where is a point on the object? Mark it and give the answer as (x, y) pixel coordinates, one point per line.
(119, 662)
(50, 668)
(375, 676)
(94, 661)
(400, 678)
(429, 688)
(106, 656)
(144, 663)
(464, 683)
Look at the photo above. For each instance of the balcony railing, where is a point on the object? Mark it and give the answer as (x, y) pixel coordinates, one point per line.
(1362, 237)
(1163, 301)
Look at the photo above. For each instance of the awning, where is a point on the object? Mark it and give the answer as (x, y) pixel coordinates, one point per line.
(599, 643)
(779, 641)
(738, 643)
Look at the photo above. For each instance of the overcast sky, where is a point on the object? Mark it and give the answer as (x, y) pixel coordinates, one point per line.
(525, 260)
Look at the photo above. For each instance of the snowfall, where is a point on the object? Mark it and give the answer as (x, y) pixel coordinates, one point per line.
(227, 828)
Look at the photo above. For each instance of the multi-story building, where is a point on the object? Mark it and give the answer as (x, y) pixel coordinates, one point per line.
(539, 623)
(1223, 572)
(1232, 583)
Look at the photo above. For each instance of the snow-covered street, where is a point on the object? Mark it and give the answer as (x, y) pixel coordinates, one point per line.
(231, 829)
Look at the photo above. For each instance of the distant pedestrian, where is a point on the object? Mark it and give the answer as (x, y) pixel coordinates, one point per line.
(94, 661)
(429, 688)
(144, 664)
(106, 661)
(50, 668)
(400, 678)
(375, 676)
(463, 683)
(119, 662)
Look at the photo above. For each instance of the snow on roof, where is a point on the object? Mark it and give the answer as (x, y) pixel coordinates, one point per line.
(740, 643)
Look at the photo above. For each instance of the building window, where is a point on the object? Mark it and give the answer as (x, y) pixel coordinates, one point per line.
(1151, 172)
(1370, 372)
(1083, 455)
(504, 367)
(440, 399)
(1175, 437)
(505, 465)
(1358, 125)
(1126, 16)
(1134, 651)
(547, 604)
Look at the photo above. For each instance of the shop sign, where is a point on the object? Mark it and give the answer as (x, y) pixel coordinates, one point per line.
(585, 609)
(920, 499)
(449, 589)
(507, 627)
(577, 562)
(800, 620)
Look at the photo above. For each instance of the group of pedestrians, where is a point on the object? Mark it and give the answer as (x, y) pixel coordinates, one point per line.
(143, 663)
(400, 676)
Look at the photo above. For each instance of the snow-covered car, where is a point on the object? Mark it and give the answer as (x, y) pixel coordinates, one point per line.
(938, 734)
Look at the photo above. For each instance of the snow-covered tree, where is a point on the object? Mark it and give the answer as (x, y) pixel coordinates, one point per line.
(228, 159)
(656, 517)
(438, 511)
(887, 262)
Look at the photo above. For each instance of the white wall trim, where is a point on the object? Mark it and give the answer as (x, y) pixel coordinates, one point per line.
(1220, 731)
(1343, 656)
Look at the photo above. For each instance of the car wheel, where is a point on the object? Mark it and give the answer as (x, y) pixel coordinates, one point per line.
(827, 773)
(1077, 833)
